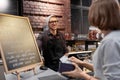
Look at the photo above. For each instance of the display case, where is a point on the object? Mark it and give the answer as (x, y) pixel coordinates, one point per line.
(83, 45)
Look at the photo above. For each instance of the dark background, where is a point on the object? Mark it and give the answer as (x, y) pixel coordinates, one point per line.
(14, 7)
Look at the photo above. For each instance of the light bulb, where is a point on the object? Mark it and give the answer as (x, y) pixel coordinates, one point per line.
(4, 4)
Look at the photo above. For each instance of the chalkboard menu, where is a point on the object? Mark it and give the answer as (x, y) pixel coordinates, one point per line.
(17, 43)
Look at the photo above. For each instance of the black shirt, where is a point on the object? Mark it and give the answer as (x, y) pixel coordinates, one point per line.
(53, 47)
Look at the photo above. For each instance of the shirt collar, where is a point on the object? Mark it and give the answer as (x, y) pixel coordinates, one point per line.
(52, 34)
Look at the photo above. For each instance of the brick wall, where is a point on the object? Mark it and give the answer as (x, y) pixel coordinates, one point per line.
(38, 10)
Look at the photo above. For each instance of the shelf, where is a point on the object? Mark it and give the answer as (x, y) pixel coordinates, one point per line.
(84, 42)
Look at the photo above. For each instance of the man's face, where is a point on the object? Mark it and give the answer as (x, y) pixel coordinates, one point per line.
(53, 23)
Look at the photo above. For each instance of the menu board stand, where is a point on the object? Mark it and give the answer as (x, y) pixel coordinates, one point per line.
(18, 45)
(18, 73)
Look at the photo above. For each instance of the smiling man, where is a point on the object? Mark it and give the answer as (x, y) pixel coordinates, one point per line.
(52, 43)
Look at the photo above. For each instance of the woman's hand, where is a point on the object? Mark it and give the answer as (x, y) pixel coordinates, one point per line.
(76, 60)
(76, 73)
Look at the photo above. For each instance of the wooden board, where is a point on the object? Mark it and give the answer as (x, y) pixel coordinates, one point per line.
(17, 44)
(79, 52)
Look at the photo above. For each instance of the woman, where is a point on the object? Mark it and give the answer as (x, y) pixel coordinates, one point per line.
(105, 15)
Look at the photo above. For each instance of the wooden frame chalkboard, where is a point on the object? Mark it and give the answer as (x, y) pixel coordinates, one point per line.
(17, 44)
